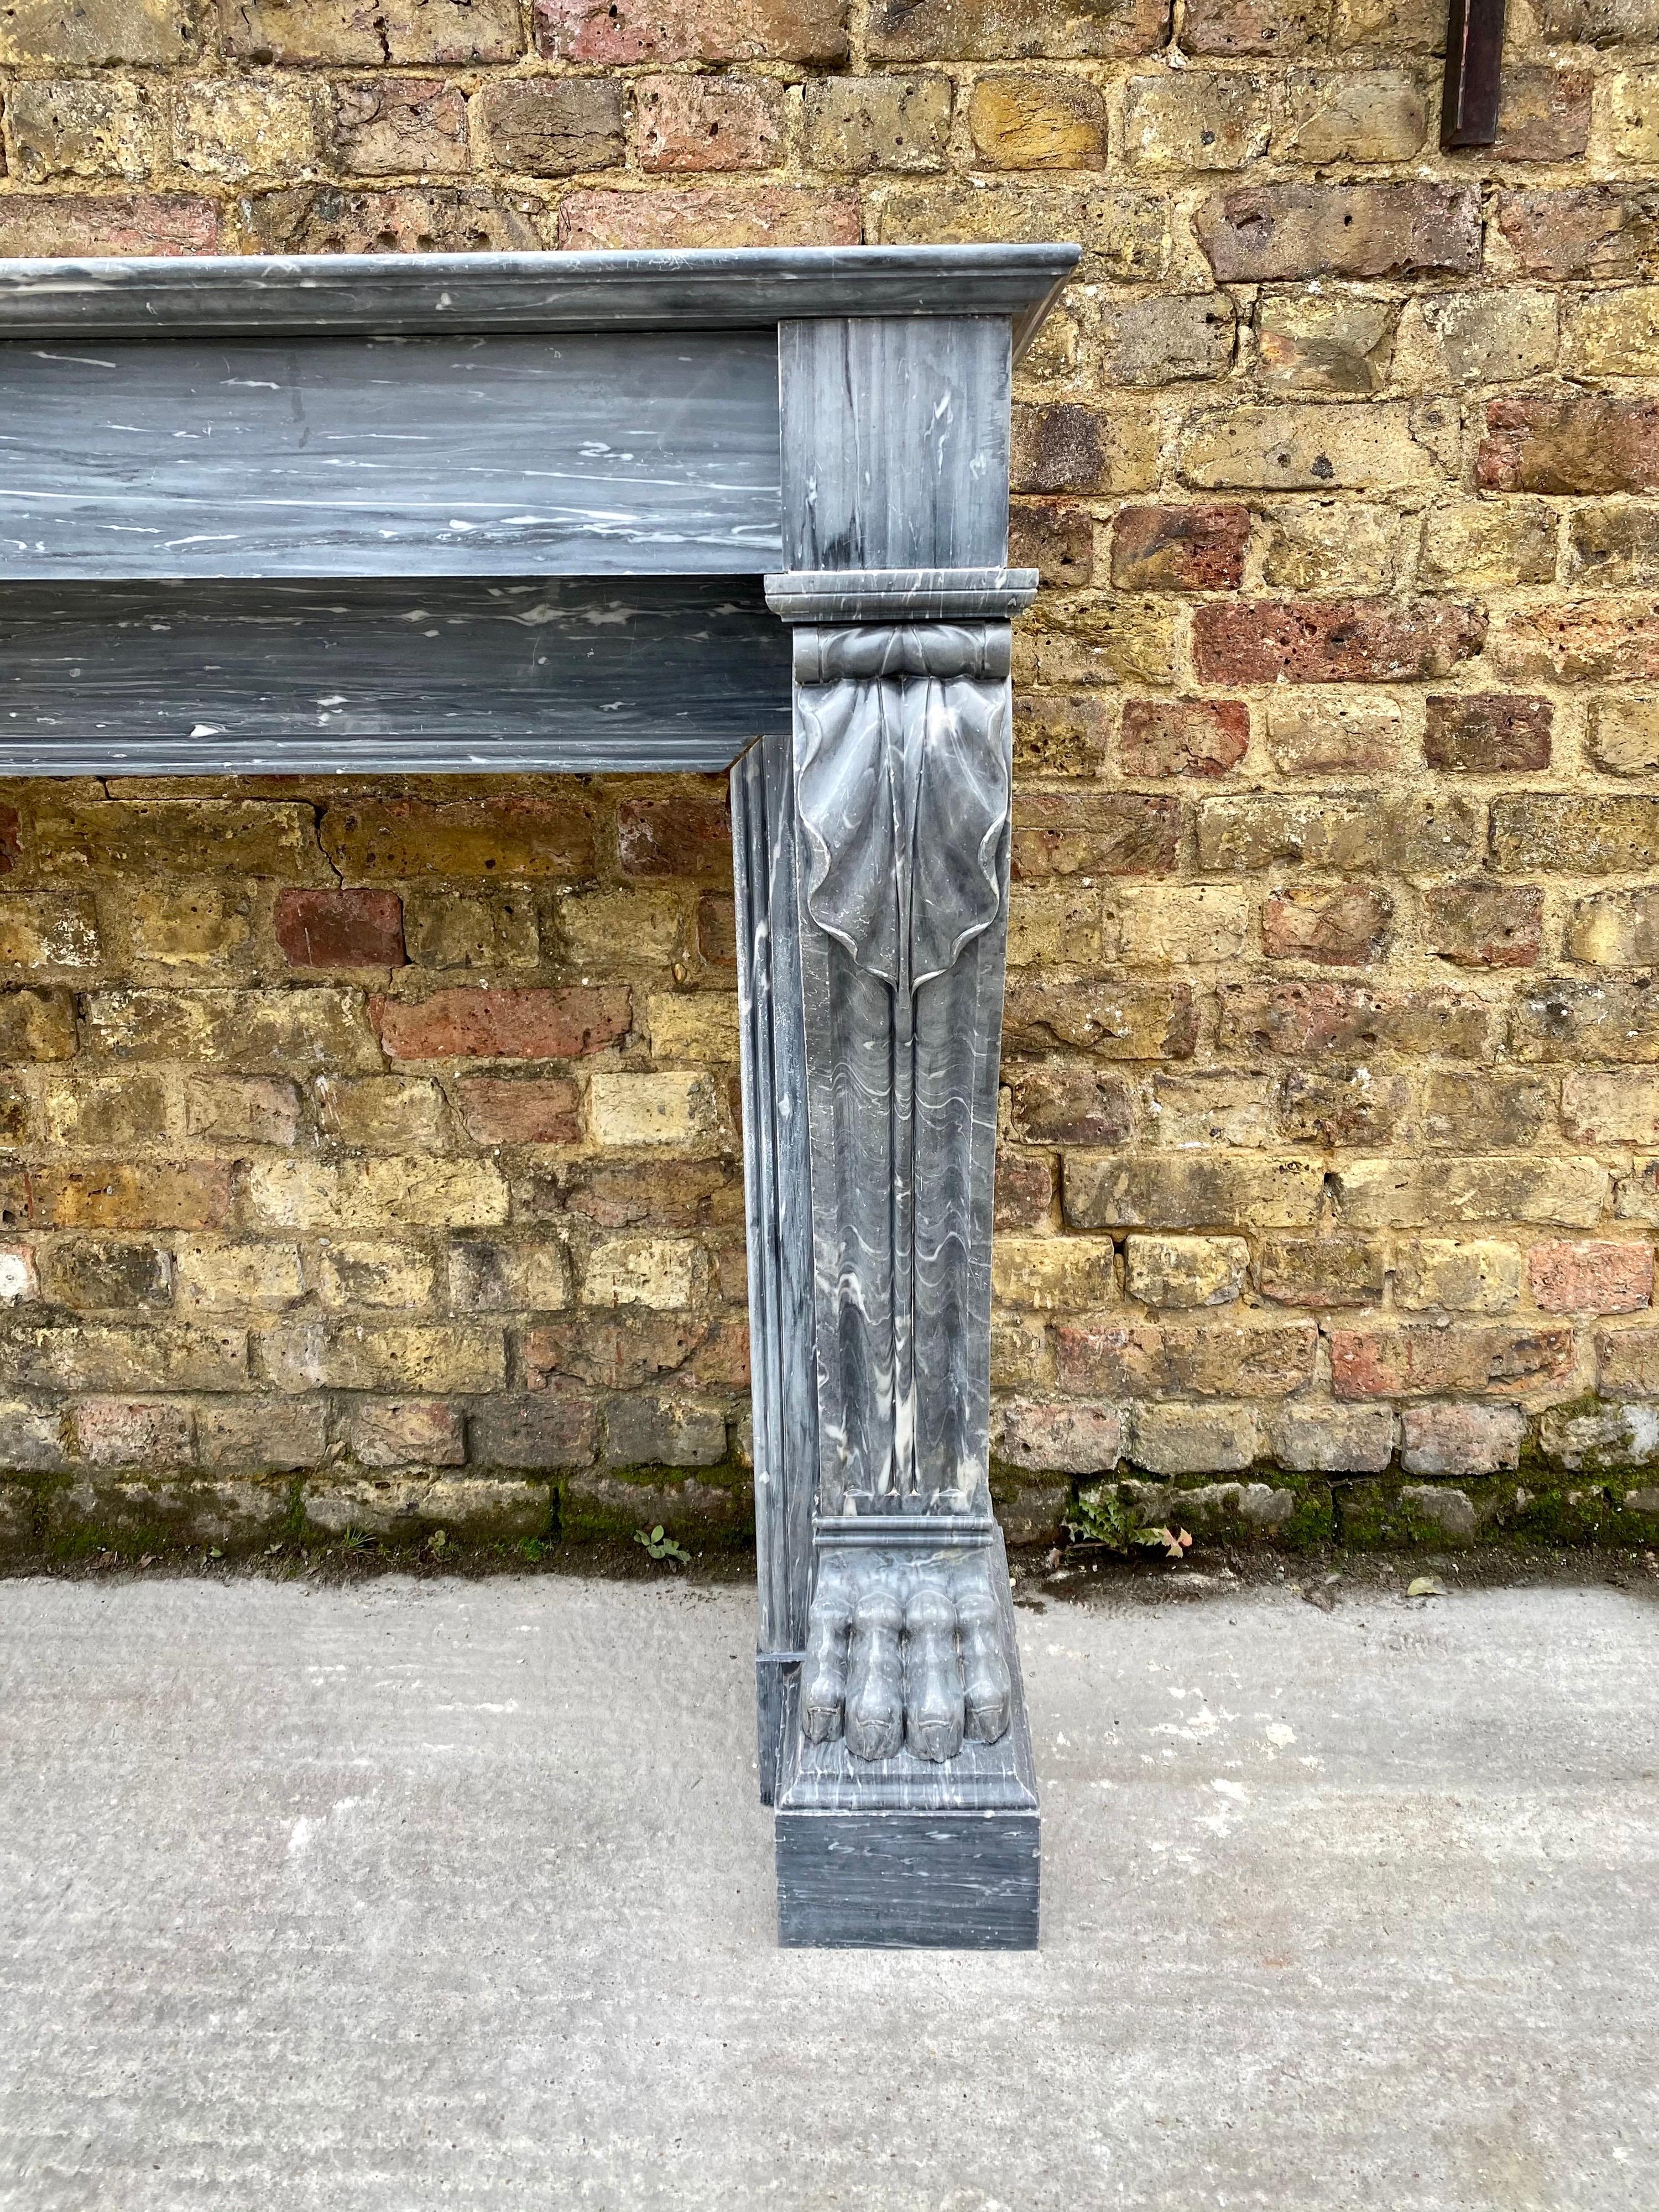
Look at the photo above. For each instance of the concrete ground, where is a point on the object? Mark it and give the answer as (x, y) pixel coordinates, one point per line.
(451, 1893)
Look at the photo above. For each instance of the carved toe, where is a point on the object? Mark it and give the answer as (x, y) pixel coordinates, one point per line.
(989, 1689)
(933, 1676)
(824, 1671)
(875, 1697)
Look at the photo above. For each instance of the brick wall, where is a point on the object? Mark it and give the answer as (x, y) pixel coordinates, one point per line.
(383, 1142)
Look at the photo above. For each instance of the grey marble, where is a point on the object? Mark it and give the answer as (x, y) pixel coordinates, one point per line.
(530, 674)
(750, 287)
(587, 453)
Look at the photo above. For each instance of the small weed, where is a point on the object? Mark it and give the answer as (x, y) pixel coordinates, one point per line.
(438, 1543)
(531, 1548)
(1102, 1517)
(660, 1546)
(356, 1540)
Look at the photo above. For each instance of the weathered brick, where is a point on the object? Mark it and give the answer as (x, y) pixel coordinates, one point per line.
(599, 221)
(1100, 638)
(307, 1351)
(1624, 736)
(650, 1432)
(31, 1438)
(1255, 234)
(158, 33)
(1613, 548)
(1217, 1191)
(1614, 333)
(1056, 540)
(1619, 929)
(253, 1032)
(396, 31)
(1600, 232)
(1342, 1106)
(1591, 1277)
(1120, 1021)
(384, 1113)
(1126, 234)
(455, 929)
(1185, 548)
(36, 1024)
(1610, 1109)
(380, 1276)
(1331, 545)
(613, 32)
(1342, 925)
(1057, 30)
(1185, 1270)
(521, 838)
(667, 1108)
(504, 1024)
(1108, 832)
(562, 126)
(80, 127)
(1055, 926)
(94, 1275)
(19, 1278)
(1379, 116)
(1463, 1110)
(1327, 735)
(75, 225)
(1459, 1274)
(132, 1432)
(230, 1277)
(1487, 733)
(1337, 832)
(258, 1435)
(340, 929)
(1609, 1436)
(1629, 119)
(1183, 736)
(1484, 925)
(1298, 1020)
(233, 129)
(857, 125)
(503, 1110)
(1454, 1439)
(1588, 442)
(1059, 446)
(1562, 1021)
(1321, 1271)
(1175, 925)
(155, 1194)
(375, 1193)
(502, 1278)
(1165, 339)
(1333, 641)
(1049, 1274)
(1068, 1104)
(660, 1272)
(1032, 122)
(407, 1432)
(1356, 448)
(1594, 641)
(1057, 1438)
(1422, 1359)
(326, 219)
(110, 1355)
(1024, 1190)
(1583, 835)
(705, 123)
(1200, 120)
(1484, 546)
(1466, 337)
(1223, 1359)
(1321, 1439)
(1599, 22)
(1321, 341)
(685, 837)
(1380, 1194)
(388, 127)
(546, 1431)
(1194, 1439)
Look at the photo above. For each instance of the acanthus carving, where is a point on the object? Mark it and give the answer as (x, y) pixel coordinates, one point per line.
(904, 781)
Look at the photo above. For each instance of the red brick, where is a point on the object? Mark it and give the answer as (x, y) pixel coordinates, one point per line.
(1596, 231)
(702, 123)
(468, 1024)
(75, 224)
(1183, 736)
(1256, 233)
(1226, 1360)
(1180, 548)
(617, 1352)
(1488, 732)
(1591, 1277)
(1004, 30)
(600, 220)
(498, 1110)
(1025, 1189)
(665, 1193)
(1333, 641)
(1420, 1359)
(620, 31)
(1343, 925)
(1543, 115)
(1584, 442)
(688, 836)
(1094, 834)
(1121, 1021)
(341, 929)
(1485, 925)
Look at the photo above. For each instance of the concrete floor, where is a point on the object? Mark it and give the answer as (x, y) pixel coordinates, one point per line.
(457, 1894)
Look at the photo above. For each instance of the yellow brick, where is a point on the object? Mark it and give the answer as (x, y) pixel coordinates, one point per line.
(1170, 924)
(696, 1025)
(374, 1194)
(640, 1270)
(233, 129)
(229, 1277)
(376, 1275)
(1462, 1274)
(665, 1108)
(1064, 1274)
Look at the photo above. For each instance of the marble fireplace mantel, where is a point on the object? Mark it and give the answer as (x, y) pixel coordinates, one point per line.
(744, 511)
